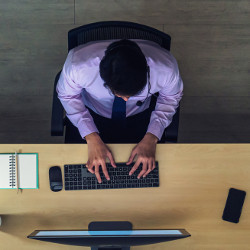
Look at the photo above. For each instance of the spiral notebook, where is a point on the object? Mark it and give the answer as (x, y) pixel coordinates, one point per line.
(25, 169)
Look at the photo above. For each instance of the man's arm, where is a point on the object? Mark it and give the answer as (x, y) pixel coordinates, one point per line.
(167, 103)
(69, 92)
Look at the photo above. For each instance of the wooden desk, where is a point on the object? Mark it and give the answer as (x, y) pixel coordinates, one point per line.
(194, 183)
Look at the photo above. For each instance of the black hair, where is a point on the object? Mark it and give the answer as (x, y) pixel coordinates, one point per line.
(124, 68)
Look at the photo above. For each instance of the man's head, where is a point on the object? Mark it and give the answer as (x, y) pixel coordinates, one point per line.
(124, 68)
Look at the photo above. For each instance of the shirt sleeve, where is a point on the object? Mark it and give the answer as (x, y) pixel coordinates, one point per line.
(69, 92)
(167, 103)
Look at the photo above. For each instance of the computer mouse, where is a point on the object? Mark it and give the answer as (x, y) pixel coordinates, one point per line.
(55, 179)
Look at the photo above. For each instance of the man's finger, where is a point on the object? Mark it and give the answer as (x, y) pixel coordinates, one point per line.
(132, 156)
(133, 169)
(150, 168)
(89, 167)
(97, 174)
(104, 170)
(153, 164)
(144, 170)
(111, 158)
(91, 170)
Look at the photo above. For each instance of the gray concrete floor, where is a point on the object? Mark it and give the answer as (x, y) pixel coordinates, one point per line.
(210, 40)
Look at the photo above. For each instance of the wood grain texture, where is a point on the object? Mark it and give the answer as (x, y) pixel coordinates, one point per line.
(165, 12)
(19, 13)
(213, 59)
(194, 183)
(209, 119)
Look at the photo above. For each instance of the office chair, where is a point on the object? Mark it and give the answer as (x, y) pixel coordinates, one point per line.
(107, 31)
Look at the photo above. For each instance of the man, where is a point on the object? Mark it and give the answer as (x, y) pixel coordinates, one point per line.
(106, 89)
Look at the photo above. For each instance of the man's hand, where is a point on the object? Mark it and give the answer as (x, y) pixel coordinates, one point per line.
(145, 151)
(98, 152)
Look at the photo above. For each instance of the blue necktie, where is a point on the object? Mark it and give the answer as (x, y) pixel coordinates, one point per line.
(119, 109)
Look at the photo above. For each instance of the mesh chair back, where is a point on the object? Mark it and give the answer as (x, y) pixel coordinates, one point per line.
(116, 30)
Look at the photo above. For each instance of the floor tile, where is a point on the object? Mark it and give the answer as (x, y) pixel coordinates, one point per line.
(215, 119)
(162, 11)
(18, 13)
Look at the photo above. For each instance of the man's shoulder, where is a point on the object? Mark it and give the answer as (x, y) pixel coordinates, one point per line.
(157, 56)
(88, 55)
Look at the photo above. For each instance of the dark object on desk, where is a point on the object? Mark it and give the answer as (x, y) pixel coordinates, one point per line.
(234, 205)
(109, 235)
(55, 179)
(77, 177)
(107, 31)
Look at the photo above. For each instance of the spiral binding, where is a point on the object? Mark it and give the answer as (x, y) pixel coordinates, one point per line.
(12, 170)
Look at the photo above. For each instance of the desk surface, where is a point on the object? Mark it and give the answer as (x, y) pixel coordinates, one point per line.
(194, 183)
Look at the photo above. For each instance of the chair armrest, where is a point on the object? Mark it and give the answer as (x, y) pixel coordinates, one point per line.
(57, 118)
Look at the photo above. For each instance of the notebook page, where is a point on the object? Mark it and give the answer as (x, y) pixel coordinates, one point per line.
(4, 171)
(27, 171)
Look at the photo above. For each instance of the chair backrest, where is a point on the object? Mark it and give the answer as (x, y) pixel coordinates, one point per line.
(116, 30)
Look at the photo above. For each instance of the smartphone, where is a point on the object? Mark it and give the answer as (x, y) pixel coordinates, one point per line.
(232, 210)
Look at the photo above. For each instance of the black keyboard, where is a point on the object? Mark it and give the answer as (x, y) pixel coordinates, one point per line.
(77, 177)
